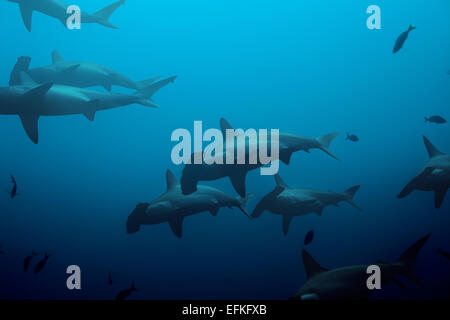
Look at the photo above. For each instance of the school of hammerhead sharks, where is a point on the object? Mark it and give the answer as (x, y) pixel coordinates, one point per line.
(61, 89)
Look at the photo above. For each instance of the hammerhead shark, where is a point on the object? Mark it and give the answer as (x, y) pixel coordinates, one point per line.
(288, 144)
(435, 176)
(72, 73)
(173, 206)
(350, 283)
(58, 10)
(298, 202)
(30, 101)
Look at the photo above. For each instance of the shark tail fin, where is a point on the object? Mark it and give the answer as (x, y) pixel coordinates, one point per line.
(409, 258)
(325, 142)
(243, 203)
(102, 16)
(133, 287)
(22, 65)
(427, 119)
(411, 27)
(350, 193)
(147, 91)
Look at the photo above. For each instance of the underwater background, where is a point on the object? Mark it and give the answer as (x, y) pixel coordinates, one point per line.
(305, 67)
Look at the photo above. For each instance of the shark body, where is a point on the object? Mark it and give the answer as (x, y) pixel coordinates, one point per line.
(58, 10)
(31, 101)
(290, 202)
(72, 73)
(288, 145)
(350, 283)
(173, 206)
(435, 176)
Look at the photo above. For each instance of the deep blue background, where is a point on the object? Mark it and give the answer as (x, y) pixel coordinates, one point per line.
(305, 67)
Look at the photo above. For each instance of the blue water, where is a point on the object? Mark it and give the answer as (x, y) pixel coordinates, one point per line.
(305, 67)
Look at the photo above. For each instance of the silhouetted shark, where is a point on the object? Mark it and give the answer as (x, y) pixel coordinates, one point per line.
(122, 295)
(402, 39)
(30, 101)
(173, 206)
(288, 144)
(13, 192)
(41, 264)
(58, 9)
(297, 202)
(27, 260)
(351, 282)
(435, 176)
(74, 74)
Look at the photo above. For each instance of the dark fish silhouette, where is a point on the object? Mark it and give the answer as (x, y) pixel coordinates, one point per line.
(352, 137)
(110, 280)
(309, 237)
(13, 192)
(27, 261)
(436, 119)
(402, 38)
(41, 264)
(1, 251)
(126, 293)
(444, 254)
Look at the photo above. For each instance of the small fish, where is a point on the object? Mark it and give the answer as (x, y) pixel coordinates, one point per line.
(110, 280)
(126, 293)
(309, 237)
(352, 137)
(13, 192)
(436, 119)
(444, 254)
(41, 264)
(402, 38)
(27, 261)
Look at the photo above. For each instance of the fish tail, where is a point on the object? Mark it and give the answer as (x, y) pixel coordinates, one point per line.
(411, 28)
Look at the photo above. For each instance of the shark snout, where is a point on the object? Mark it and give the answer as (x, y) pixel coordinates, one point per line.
(134, 219)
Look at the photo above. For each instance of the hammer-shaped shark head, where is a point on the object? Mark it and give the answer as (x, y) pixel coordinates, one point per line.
(134, 219)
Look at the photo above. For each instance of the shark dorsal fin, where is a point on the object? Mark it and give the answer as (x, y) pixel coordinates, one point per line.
(171, 180)
(312, 268)
(432, 150)
(25, 80)
(57, 57)
(280, 182)
(224, 126)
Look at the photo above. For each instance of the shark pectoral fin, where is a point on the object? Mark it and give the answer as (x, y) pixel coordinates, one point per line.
(238, 182)
(90, 115)
(27, 14)
(319, 210)
(287, 218)
(214, 211)
(176, 224)
(285, 157)
(93, 106)
(439, 196)
(30, 124)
